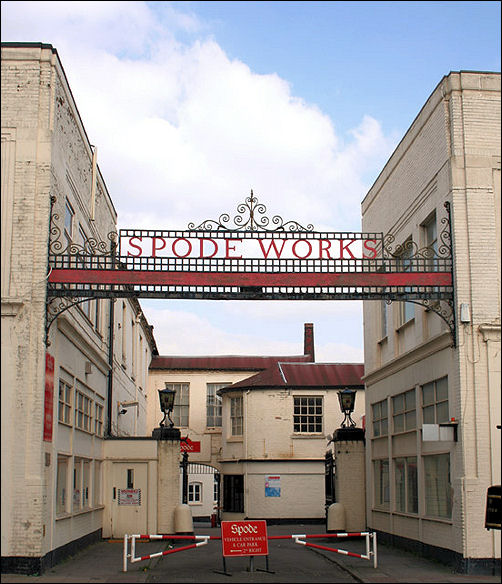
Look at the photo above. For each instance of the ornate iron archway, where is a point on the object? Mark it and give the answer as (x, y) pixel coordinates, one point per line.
(276, 260)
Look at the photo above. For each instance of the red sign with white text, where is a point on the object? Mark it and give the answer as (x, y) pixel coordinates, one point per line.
(187, 445)
(49, 397)
(244, 538)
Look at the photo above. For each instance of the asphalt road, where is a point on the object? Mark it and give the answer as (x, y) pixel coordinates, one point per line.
(287, 562)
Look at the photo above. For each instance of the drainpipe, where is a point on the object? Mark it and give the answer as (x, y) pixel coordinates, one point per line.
(111, 331)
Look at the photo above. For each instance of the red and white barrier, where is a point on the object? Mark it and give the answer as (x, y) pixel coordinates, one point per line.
(371, 554)
(371, 544)
(203, 539)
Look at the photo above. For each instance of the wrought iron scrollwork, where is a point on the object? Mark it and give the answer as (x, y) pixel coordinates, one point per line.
(411, 250)
(55, 306)
(248, 220)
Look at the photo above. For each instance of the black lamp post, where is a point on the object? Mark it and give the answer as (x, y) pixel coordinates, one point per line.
(166, 397)
(347, 399)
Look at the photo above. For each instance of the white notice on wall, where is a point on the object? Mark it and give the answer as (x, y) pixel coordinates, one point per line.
(129, 496)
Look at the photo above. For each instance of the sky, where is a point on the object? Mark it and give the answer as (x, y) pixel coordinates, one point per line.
(192, 105)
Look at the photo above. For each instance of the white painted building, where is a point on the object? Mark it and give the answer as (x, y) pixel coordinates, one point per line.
(239, 412)
(426, 490)
(60, 398)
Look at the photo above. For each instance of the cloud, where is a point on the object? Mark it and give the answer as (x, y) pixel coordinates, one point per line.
(183, 131)
(180, 332)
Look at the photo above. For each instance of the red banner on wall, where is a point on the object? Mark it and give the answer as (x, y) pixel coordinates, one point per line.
(48, 397)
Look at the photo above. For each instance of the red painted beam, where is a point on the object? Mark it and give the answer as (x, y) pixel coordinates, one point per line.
(261, 279)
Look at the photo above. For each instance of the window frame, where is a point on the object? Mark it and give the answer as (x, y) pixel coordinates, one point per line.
(306, 421)
(378, 422)
(404, 412)
(181, 410)
(65, 405)
(194, 495)
(433, 405)
(236, 416)
(441, 502)
(212, 395)
(409, 483)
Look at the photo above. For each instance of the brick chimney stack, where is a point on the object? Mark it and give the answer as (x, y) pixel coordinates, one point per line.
(308, 341)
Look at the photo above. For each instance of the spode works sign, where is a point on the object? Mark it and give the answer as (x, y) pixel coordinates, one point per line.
(332, 246)
(244, 538)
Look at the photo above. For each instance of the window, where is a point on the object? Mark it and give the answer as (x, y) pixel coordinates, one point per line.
(69, 214)
(435, 401)
(83, 412)
(64, 409)
(407, 309)
(380, 419)
(195, 493)
(431, 241)
(404, 411)
(307, 417)
(77, 483)
(437, 485)
(406, 484)
(181, 403)
(236, 417)
(61, 486)
(98, 419)
(233, 493)
(86, 477)
(382, 484)
(213, 405)
(384, 321)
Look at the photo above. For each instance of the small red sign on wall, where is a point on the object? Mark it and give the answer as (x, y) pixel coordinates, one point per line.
(187, 445)
(244, 538)
(48, 397)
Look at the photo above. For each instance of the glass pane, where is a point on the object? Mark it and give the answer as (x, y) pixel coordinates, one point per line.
(412, 484)
(384, 427)
(410, 420)
(437, 485)
(384, 408)
(429, 415)
(400, 484)
(409, 400)
(376, 429)
(376, 411)
(442, 389)
(428, 394)
(398, 403)
(442, 412)
(399, 423)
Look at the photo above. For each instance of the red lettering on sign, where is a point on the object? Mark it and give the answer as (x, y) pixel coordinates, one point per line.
(155, 249)
(272, 245)
(373, 252)
(346, 247)
(189, 247)
(309, 246)
(140, 251)
(215, 248)
(229, 248)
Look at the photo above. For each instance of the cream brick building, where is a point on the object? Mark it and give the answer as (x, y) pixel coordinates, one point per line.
(424, 492)
(60, 399)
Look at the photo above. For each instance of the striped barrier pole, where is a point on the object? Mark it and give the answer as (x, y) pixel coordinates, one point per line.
(133, 538)
(369, 537)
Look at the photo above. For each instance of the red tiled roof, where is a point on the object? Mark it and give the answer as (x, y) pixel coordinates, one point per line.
(304, 375)
(222, 362)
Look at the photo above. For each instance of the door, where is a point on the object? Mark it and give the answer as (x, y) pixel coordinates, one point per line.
(129, 498)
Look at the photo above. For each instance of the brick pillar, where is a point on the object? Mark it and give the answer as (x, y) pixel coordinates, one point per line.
(168, 479)
(350, 483)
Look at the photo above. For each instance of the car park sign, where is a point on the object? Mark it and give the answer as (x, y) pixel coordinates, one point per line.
(244, 538)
